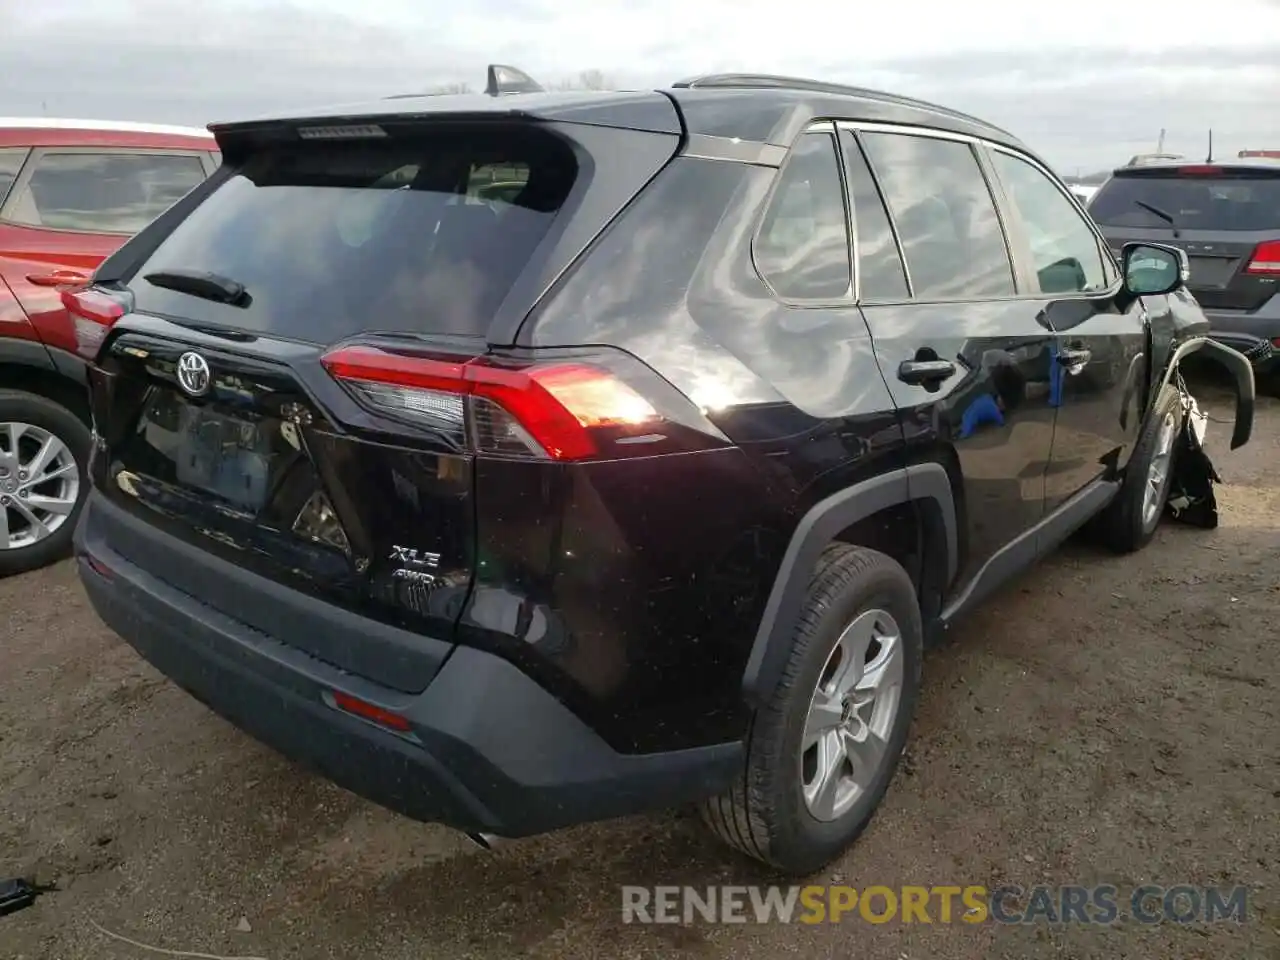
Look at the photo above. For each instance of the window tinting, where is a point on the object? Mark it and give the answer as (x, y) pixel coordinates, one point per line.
(880, 273)
(333, 238)
(1064, 251)
(104, 192)
(1241, 201)
(10, 163)
(945, 216)
(803, 247)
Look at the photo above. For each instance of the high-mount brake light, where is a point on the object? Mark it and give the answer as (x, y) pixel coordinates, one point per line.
(351, 131)
(92, 314)
(545, 410)
(1200, 170)
(1265, 260)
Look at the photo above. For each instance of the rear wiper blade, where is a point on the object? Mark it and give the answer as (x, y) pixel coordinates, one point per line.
(200, 283)
(226, 333)
(1166, 217)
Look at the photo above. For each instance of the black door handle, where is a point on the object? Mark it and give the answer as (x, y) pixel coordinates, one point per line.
(1070, 358)
(925, 372)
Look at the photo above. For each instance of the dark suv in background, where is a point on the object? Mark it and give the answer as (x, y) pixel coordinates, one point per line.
(1226, 216)
(640, 484)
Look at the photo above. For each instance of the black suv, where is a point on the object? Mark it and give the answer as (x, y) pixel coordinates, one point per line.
(1226, 216)
(641, 484)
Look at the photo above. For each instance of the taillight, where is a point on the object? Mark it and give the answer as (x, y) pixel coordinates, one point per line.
(92, 314)
(1265, 259)
(567, 409)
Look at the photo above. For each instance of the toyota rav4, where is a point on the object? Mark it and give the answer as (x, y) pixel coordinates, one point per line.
(642, 484)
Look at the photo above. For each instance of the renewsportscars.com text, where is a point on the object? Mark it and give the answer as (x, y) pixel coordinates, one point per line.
(970, 904)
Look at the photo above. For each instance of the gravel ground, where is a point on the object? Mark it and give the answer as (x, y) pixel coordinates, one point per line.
(1102, 720)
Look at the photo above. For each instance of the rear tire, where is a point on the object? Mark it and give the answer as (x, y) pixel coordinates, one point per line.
(1131, 519)
(35, 530)
(861, 612)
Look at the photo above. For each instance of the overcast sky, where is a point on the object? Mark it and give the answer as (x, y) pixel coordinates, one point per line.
(1085, 82)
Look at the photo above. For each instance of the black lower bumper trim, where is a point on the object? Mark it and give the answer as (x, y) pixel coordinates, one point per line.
(490, 750)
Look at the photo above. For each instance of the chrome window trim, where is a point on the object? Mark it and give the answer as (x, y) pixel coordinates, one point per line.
(701, 146)
(846, 299)
(893, 226)
(980, 143)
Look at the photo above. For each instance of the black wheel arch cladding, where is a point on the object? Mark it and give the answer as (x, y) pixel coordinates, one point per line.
(815, 531)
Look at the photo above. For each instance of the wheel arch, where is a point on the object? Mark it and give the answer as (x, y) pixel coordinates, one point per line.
(1231, 360)
(924, 488)
(45, 381)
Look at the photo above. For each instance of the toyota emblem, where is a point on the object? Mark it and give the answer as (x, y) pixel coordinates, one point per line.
(193, 374)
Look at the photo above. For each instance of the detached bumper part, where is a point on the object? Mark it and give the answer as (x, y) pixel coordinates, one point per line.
(1259, 351)
(1241, 371)
(487, 750)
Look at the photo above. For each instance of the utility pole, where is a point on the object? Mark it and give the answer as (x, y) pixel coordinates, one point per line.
(1160, 142)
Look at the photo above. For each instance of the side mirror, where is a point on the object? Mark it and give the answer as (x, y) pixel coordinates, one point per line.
(1152, 269)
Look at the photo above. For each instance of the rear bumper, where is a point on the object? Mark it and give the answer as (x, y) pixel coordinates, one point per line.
(489, 750)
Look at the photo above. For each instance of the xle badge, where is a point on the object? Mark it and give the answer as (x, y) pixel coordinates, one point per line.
(415, 564)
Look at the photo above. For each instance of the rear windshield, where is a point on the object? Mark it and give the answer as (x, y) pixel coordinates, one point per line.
(1194, 202)
(332, 238)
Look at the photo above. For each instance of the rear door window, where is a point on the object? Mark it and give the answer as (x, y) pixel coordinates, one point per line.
(104, 192)
(803, 246)
(1231, 201)
(881, 276)
(420, 233)
(947, 222)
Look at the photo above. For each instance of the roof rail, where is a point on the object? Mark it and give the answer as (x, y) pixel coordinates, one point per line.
(768, 81)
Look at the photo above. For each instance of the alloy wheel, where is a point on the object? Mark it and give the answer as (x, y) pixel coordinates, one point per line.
(39, 484)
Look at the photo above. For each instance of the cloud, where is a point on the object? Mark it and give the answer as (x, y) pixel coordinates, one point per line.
(1086, 86)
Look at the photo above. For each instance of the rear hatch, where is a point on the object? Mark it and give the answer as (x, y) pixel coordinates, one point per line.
(253, 399)
(1226, 217)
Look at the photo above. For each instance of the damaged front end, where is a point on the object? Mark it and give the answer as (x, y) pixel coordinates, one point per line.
(1191, 496)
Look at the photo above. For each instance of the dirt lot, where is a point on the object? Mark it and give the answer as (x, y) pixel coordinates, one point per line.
(1104, 720)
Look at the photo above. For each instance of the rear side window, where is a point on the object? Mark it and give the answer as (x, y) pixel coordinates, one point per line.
(1241, 201)
(423, 233)
(103, 192)
(1065, 252)
(803, 246)
(946, 219)
(880, 273)
(10, 163)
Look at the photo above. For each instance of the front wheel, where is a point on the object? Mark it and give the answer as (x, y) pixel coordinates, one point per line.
(822, 751)
(44, 452)
(1130, 521)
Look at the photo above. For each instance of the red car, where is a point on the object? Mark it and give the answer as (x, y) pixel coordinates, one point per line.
(71, 192)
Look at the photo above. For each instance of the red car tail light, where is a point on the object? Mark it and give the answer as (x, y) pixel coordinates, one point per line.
(93, 312)
(1265, 259)
(556, 410)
